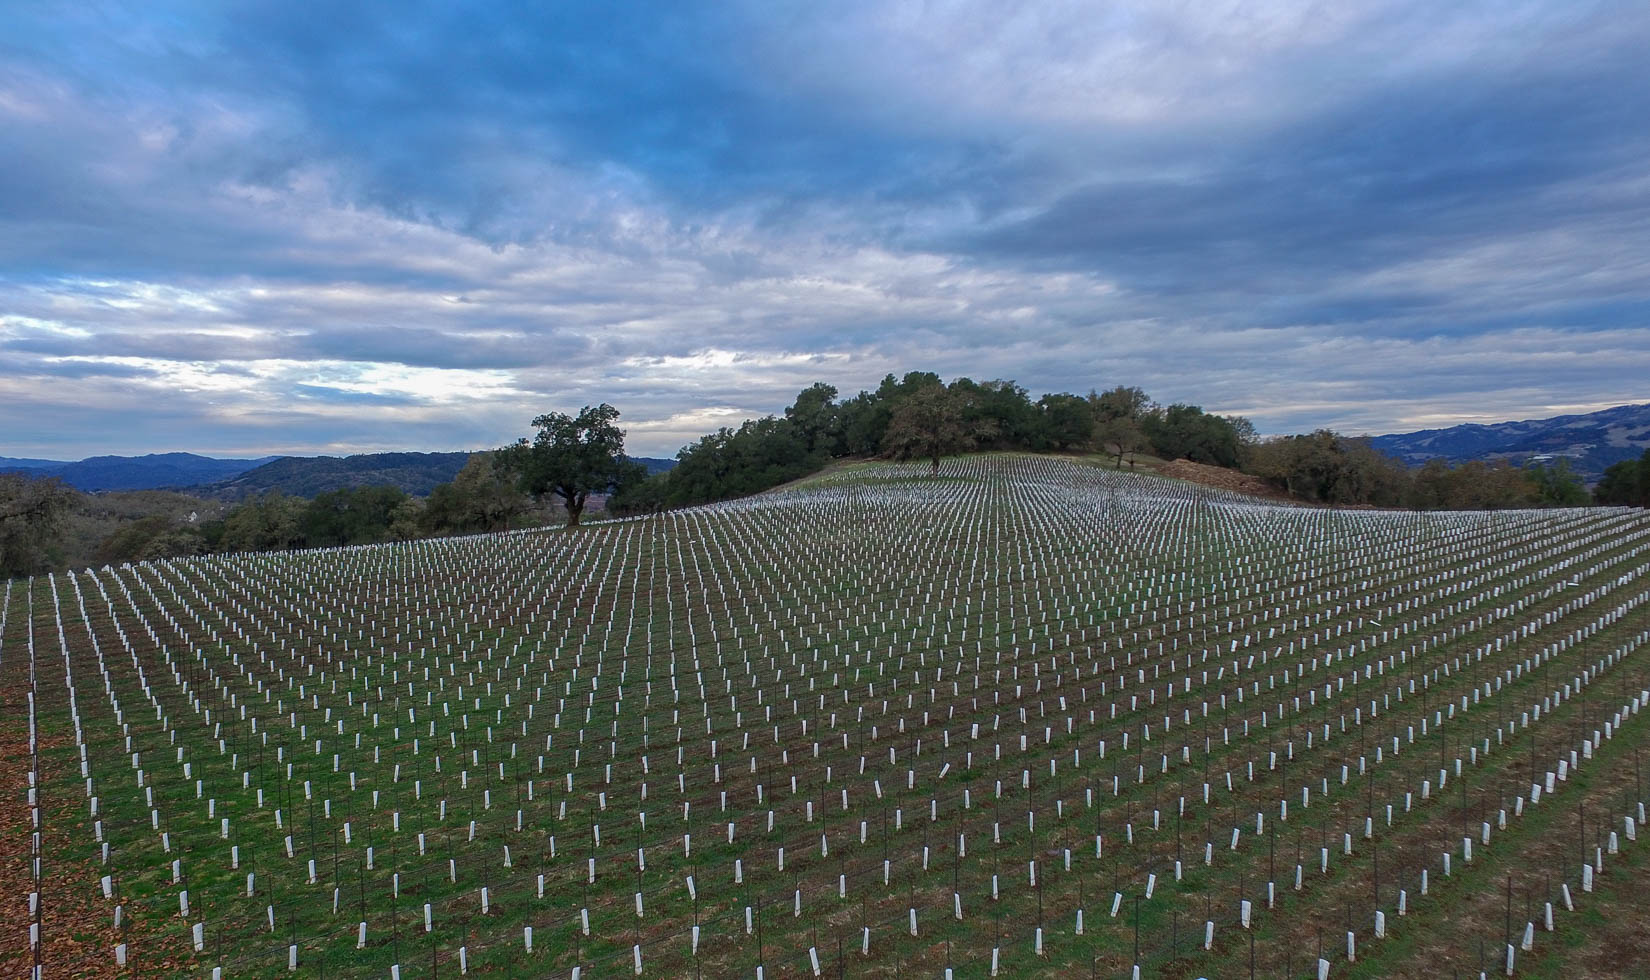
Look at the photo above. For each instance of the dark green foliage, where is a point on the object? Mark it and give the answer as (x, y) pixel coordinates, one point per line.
(864, 419)
(269, 522)
(931, 422)
(1334, 469)
(1120, 403)
(573, 457)
(273, 521)
(1187, 432)
(1121, 436)
(445, 510)
(359, 516)
(1626, 483)
(100, 528)
(1067, 423)
(1001, 413)
(307, 476)
(1330, 468)
(32, 515)
(919, 416)
(815, 419)
(761, 453)
(483, 497)
(1558, 485)
(154, 536)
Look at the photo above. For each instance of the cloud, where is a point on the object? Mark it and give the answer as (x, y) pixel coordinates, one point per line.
(417, 225)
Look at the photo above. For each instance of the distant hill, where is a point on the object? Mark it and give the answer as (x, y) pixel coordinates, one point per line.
(309, 476)
(654, 465)
(9, 464)
(135, 472)
(1590, 442)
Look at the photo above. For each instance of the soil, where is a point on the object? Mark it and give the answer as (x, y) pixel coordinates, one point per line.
(1220, 478)
(78, 935)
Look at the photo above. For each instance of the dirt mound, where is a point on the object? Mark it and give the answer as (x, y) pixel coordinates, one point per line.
(1220, 478)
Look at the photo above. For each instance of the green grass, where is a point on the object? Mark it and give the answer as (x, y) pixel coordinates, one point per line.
(932, 605)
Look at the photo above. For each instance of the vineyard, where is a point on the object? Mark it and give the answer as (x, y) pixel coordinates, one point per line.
(1028, 717)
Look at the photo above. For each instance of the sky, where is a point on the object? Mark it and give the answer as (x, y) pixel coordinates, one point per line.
(258, 228)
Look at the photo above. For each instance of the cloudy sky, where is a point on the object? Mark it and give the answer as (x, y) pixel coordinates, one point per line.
(250, 228)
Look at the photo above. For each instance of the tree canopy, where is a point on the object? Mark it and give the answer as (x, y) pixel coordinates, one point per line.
(573, 457)
(1120, 436)
(1626, 483)
(918, 415)
(929, 423)
(1327, 467)
(1186, 431)
(32, 512)
(268, 522)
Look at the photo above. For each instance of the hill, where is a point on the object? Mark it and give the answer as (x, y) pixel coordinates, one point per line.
(150, 472)
(1027, 715)
(1590, 442)
(308, 476)
(12, 464)
(654, 464)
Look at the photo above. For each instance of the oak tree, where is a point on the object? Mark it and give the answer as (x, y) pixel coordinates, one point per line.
(573, 457)
(930, 422)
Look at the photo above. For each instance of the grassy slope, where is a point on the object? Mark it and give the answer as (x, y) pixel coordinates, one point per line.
(999, 553)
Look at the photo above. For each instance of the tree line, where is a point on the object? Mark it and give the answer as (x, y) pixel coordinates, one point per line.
(919, 416)
(46, 525)
(1330, 468)
(577, 462)
(1626, 483)
(484, 496)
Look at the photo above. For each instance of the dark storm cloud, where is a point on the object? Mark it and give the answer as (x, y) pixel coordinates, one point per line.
(1410, 172)
(74, 368)
(429, 348)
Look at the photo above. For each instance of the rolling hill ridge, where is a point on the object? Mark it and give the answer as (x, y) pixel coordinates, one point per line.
(149, 472)
(1591, 442)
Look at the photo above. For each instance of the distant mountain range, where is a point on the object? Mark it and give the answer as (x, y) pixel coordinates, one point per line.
(236, 479)
(135, 472)
(1590, 442)
(309, 476)
(10, 464)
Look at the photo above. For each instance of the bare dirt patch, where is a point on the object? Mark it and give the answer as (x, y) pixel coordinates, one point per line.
(1220, 478)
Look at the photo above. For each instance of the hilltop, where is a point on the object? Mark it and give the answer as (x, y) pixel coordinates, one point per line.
(1591, 442)
(309, 476)
(234, 479)
(1028, 714)
(151, 472)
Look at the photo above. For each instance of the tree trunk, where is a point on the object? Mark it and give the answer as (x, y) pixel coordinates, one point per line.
(575, 506)
(936, 470)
